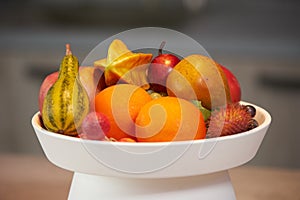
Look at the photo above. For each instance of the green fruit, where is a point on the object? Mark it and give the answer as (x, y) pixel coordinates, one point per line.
(205, 112)
(66, 103)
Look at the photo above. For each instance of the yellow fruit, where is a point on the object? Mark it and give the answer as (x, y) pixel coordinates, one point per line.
(199, 77)
(90, 78)
(123, 65)
(66, 103)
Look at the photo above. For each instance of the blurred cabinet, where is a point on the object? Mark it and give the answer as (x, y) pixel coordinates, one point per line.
(24, 65)
(275, 86)
(21, 86)
(6, 135)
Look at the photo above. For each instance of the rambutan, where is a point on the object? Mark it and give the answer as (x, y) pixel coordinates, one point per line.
(232, 119)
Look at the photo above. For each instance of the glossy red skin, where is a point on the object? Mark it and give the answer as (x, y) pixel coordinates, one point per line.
(159, 69)
(234, 85)
(46, 85)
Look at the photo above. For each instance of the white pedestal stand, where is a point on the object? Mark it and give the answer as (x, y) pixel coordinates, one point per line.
(206, 177)
(213, 186)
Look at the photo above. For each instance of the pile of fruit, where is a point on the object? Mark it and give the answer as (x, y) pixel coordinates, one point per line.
(133, 97)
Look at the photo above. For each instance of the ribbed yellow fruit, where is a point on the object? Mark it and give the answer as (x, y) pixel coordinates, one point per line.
(66, 103)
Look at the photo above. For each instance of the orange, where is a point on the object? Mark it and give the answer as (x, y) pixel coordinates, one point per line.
(121, 104)
(169, 119)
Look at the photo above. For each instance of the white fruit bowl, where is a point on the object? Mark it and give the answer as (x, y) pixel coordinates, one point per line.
(168, 170)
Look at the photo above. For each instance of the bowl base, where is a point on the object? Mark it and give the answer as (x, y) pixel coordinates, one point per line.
(210, 186)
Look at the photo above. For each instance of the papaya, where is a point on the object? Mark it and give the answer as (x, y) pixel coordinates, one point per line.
(66, 103)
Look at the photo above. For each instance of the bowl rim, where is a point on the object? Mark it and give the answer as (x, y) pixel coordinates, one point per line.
(266, 122)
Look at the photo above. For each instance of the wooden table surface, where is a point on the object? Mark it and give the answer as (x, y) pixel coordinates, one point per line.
(34, 178)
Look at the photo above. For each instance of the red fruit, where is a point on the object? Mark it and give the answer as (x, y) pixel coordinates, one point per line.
(234, 86)
(94, 126)
(46, 85)
(229, 120)
(160, 68)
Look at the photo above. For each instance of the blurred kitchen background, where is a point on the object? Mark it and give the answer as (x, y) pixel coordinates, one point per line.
(259, 41)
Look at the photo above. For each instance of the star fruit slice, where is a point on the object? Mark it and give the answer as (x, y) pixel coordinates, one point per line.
(122, 65)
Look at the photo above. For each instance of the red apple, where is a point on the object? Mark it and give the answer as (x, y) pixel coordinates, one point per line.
(160, 68)
(234, 86)
(46, 85)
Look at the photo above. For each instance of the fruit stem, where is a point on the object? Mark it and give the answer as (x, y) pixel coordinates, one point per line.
(68, 50)
(162, 45)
